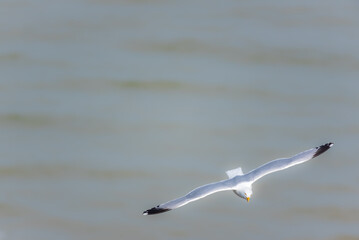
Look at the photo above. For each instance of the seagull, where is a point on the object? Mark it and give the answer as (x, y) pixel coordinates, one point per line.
(239, 183)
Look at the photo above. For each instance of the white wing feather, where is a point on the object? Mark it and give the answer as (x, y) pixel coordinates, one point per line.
(194, 195)
(283, 163)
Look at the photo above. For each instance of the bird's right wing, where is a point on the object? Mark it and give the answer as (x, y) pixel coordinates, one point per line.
(283, 163)
(194, 195)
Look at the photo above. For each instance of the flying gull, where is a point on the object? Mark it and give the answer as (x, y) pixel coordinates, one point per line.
(239, 183)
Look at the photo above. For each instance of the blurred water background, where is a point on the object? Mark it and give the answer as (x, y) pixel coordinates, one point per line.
(108, 108)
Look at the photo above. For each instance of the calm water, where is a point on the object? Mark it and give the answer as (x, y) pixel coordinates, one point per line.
(110, 107)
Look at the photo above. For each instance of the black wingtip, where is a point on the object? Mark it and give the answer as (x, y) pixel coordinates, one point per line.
(155, 210)
(322, 149)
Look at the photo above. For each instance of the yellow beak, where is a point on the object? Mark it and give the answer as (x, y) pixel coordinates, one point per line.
(248, 199)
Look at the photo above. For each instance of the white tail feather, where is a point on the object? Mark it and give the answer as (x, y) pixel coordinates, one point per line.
(234, 172)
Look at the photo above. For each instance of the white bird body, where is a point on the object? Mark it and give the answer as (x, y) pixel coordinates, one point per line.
(239, 183)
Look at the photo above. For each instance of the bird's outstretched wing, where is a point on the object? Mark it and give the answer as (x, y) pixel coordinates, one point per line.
(283, 163)
(194, 195)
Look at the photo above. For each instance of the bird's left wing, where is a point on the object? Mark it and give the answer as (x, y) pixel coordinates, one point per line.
(283, 163)
(194, 195)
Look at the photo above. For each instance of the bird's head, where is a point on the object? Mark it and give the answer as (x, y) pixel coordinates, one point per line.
(245, 193)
